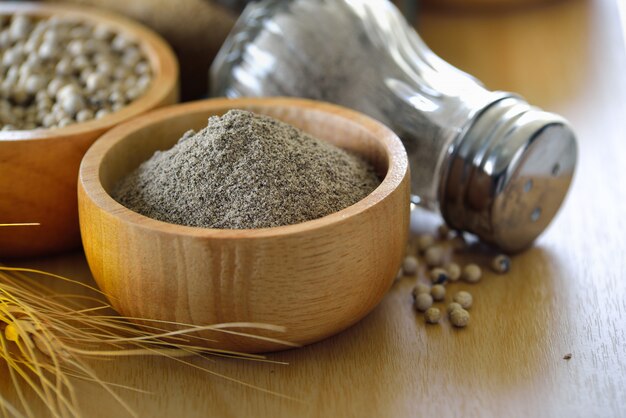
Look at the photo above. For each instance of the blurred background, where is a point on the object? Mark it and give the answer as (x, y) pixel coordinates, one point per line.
(197, 28)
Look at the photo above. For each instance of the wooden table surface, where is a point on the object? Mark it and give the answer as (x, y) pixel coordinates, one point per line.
(565, 295)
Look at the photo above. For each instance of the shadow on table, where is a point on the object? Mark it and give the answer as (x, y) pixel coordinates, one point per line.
(393, 355)
(385, 365)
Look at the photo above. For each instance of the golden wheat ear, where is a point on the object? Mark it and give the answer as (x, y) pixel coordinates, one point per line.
(47, 339)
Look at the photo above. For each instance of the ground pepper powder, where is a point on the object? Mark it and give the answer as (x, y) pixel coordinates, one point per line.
(246, 171)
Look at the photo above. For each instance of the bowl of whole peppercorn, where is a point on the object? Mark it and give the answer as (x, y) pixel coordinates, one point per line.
(244, 220)
(67, 75)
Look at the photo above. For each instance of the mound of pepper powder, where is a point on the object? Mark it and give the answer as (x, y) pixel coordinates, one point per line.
(246, 171)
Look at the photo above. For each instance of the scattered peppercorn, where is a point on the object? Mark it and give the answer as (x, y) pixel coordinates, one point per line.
(423, 301)
(454, 272)
(438, 275)
(432, 315)
(472, 273)
(459, 317)
(438, 292)
(420, 288)
(434, 256)
(501, 264)
(424, 242)
(567, 356)
(452, 306)
(464, 299)
(410, 265)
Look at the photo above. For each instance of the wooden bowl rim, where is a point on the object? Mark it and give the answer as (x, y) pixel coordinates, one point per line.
(89, 174)
(160, 55)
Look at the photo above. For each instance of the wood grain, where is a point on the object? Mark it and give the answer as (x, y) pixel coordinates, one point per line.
(315, 278)
(565, 295)
(39, 168)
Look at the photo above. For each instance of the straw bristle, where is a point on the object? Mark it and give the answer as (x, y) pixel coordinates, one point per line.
(47, 339)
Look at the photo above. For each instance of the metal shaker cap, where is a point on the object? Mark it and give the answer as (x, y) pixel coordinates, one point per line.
(508, 173)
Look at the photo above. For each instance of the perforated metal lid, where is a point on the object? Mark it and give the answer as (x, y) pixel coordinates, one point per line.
(508, 174)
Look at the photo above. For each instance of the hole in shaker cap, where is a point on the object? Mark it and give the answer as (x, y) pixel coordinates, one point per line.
(535, 214)
(528, 186)
(555, 169)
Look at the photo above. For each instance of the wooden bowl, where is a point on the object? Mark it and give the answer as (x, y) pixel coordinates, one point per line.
(315, 278)
(39, 168)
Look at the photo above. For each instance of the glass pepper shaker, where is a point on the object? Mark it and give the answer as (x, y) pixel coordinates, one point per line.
(492, 164)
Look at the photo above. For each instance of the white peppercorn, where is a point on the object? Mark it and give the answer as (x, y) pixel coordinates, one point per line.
(54, 86)
(424, 242)
(464, 299)
(420, 288)
(452, 306)
(95, 81)
(64, 122)
(117, 96)
(102, 32)
(131, 57)
(76, 47)
(142, 68)
(20, 27)
(133, 93)
(72, 103)
(90, 45)
(129, 82)
(434, 256)
(438, 276)
(50, 35)
(144, 82)
(98, 98)
(40, 58)
(399, 273)
(102, 113)
(454, 271)
(501, 264)
(459, 318)
(64, 67)
(34, 84)
(5, 39)
(84, 115)
(423, 301)
(12, 57)
(79, 63)
(438, 292)
(49, 120)
(104, 67)
(432, 315)
(120, 43)
(31, 46)
(120, 73)
(410, 265)
(48, 50)
(472, 273)
(11, 76)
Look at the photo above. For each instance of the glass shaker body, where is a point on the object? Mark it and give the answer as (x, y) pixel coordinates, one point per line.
(362, 54)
